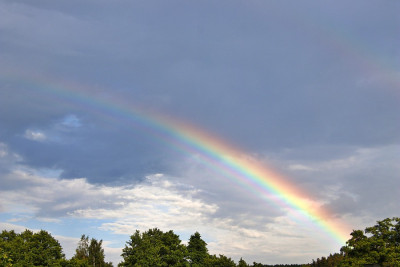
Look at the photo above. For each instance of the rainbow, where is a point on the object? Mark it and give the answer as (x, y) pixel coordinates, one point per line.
(217, 154)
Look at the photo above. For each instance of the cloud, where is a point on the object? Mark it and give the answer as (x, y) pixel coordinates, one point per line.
(71, 121)
(311, 94)
(350, 182)
(10, 226)
(3, 150)
(159, 201)
(155, 203)
(217, 72)
(35, 135)
(300, 167)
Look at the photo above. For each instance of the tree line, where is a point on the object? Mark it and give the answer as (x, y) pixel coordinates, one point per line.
(42, 249)
(378, 245)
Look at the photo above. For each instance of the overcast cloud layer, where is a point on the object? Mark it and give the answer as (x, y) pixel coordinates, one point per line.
(309, 89)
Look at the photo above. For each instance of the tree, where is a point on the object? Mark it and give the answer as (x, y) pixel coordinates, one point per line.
(96, 253)
(8, 245)
(242, 263)
(89, 254)
(330, 261)
(5, 261)
(197, 249)
(379, 245)
(220, 261)
(82, 251)
(154, 248)
(31, 249)
(46, 250)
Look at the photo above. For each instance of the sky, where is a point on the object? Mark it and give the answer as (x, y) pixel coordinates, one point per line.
(270, 127)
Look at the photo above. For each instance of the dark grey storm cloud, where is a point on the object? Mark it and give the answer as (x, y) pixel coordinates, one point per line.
(264, 75)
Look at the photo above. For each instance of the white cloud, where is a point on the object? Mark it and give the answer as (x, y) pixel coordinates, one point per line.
(59, 132)
(300, 167)
(10, 226)
(351, 182)
(157, 202)
(35, 135)
(230, 221)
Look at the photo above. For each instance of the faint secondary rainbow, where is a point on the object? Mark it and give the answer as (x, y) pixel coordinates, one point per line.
(217, 154)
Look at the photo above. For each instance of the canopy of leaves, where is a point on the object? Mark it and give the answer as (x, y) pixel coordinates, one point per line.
(197, 249)
(379, 244)
(330, 261)
(89, 253)
(30, 249)
(221, 261)
(5, 261)
(154, 248)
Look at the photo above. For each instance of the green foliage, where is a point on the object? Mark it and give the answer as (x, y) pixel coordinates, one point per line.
(379, 244)
(82, 251)
(31, 249)
(89, 254)
(96, 253)
(330, 261)
(220, 261)
(41, 249)
(5, 261)
(74, 263)
(242, 263)
(154, 248)
(197, 249)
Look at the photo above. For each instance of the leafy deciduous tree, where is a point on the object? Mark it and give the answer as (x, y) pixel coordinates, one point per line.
(82, 251)
(89, 254)
(154, 248)
(220, 261)
(31, 249)
(5, 261)
(379, 245)
(242, 263)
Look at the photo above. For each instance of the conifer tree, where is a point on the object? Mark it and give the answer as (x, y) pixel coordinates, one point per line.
(197, 249)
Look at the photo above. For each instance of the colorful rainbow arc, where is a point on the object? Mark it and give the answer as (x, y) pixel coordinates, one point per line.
(216, 153)
(248, 172)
